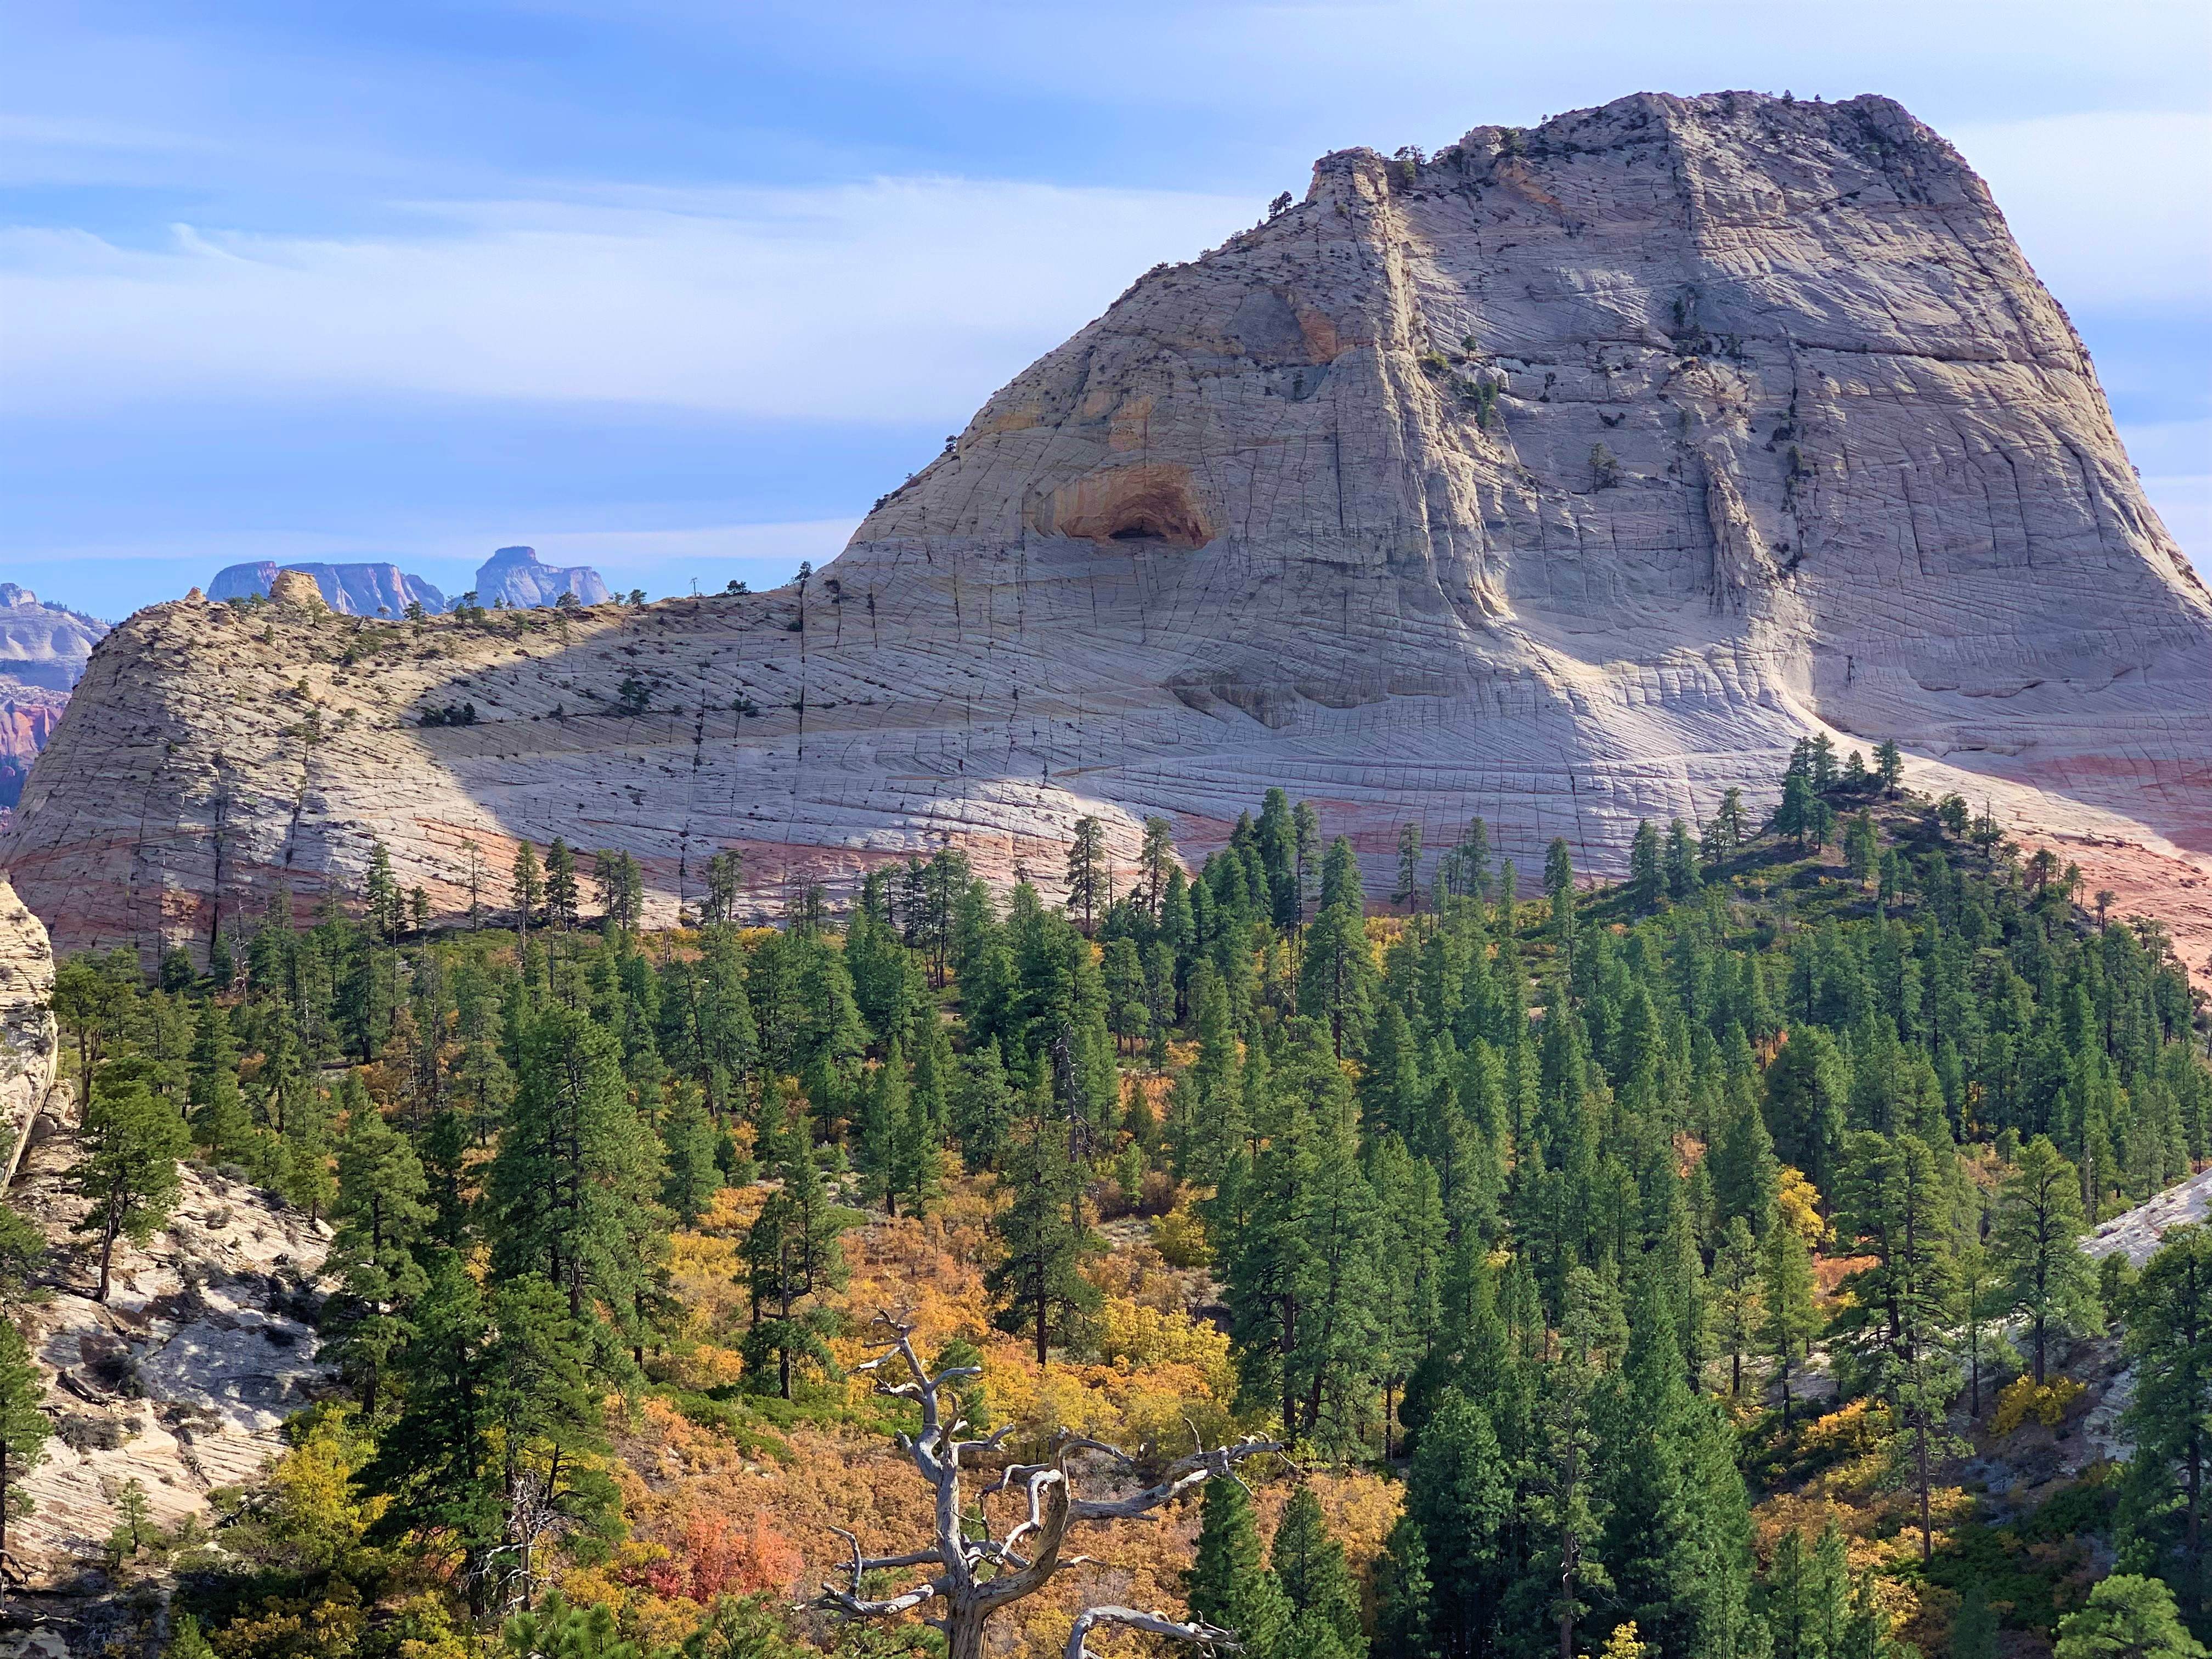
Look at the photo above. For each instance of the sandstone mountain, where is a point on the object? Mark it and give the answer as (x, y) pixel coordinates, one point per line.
(513, 577)
(1566, 478)
(43, 650)
(354, 590)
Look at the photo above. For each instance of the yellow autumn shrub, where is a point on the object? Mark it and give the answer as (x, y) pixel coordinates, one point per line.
(1180, 1237)
(2021, 1399)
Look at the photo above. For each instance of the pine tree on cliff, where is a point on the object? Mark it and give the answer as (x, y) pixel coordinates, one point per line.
(132, 1143)
(1089, 876)
(561, 891)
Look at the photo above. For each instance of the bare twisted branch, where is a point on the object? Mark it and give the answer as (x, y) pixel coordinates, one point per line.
(1211, 1637)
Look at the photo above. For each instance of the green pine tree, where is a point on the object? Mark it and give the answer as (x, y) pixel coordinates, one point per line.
(1229, 1583)
(130, 1144)
(2037, 1238)
(689, 1139)
(2164, 1500)
(1037, 1280)
(791, 1258)
(2127, 1617)
(1309, 1564)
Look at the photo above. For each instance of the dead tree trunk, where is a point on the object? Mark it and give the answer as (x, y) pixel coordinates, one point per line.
(972, 1578)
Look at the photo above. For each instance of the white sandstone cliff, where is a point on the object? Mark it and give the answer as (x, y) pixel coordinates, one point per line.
(1566, 479)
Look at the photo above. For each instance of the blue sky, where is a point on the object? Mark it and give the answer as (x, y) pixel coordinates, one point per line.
(679, 288)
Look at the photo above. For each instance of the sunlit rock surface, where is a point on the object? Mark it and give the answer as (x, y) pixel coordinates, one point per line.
(1565, 478)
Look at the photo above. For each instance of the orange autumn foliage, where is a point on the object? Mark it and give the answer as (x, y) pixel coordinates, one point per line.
(715, 1558)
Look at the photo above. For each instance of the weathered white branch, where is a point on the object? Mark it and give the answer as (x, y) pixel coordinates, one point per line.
(1183, 1475)
(1210, 1637)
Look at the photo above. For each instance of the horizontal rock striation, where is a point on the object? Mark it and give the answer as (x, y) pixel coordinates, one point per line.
(1567, 477)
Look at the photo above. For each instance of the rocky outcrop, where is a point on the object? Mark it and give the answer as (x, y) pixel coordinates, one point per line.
(2135, 1233)
(352, 590)
(182, 1380)
(512, 577)
(1566, 479)
(27, 1035)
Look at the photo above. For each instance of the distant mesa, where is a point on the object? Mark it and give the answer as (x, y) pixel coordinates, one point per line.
(43, 650)
(513, 577)
(351, 590)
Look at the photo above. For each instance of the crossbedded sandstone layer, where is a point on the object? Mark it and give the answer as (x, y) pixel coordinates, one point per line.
(1565, 478)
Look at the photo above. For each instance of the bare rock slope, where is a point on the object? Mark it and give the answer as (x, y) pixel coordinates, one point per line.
(181, 1379)
(1567, 478)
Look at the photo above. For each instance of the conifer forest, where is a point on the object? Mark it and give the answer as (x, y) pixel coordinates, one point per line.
(1244, 1261)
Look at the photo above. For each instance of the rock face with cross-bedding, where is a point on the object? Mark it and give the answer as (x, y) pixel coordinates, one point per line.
(1566, 479)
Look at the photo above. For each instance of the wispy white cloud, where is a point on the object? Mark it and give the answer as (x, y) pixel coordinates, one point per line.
(895, 298)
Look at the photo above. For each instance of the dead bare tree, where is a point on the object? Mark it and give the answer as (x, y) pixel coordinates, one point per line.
(974, 1576)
